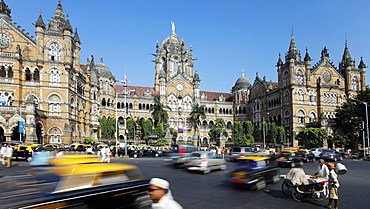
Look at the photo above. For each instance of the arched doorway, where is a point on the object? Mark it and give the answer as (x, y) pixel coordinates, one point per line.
(2, 137)
(39, 133)
(15, 134)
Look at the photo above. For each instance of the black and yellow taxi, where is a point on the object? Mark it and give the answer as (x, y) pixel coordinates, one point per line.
(289, 158)
(254, 172)
(94, 185)
(25, 152)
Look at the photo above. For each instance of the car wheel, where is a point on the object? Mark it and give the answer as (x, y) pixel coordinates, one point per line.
(313, 159)
(29, 159)
(135, 155)
(292, 164)
(120, 155)
(223, 167)
(156, 155)
(259, 185)
(207, 170)
(341, 158)
(335, 159)
(301, 163)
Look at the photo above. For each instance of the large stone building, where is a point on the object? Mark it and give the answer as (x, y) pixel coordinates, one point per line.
(48, 96)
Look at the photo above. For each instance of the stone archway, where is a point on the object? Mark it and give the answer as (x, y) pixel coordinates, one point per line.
(15, 134)
(39, 133)
(2, 137)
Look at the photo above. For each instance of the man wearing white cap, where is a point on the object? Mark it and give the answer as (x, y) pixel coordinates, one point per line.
(159, 193)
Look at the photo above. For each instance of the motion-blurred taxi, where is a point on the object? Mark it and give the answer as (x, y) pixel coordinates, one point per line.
(25, 152)
(289, 158)
(98, 185)
(254, 172)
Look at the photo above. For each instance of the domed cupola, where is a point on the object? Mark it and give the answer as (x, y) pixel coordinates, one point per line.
(103, 70)
(241, 83)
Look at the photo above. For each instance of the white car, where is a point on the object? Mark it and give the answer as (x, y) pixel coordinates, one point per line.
(205, 162)
(316, 151)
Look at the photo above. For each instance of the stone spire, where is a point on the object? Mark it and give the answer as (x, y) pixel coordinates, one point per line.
(346, 58)
(76, 37)
(307, 57)
(4, 10)
(40, 22)
(293, 53)
(279, 62)
(362, 64)
(59, 22)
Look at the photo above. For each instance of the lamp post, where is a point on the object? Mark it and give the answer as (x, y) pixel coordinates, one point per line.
(116, 125)
(124, 81)
(367, 123)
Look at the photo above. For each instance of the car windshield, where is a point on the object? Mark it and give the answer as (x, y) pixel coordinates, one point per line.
(302, 152)
(287, 154)
(196, 155)
(327, 151)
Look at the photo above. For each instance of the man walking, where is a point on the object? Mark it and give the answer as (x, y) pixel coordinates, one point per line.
(333, 187)
(160, 194)
(8, 154)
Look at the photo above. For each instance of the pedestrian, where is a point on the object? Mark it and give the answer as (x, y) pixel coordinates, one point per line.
(159, 192)
(333, 186)
(8, 154)
(89, 150)
(2, 150)
(223, 152)
(105, 153)
(322, 170)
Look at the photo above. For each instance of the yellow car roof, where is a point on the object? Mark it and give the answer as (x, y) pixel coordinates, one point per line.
(79, 156)
(256, 158)
(90, 168)
(67, 161)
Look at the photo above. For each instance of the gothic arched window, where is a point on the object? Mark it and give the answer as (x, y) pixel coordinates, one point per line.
(299, 77)
(55, 52)
(286, 78)
(355, 84)
(54, 76)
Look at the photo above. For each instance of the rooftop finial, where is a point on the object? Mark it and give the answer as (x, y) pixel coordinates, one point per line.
(242, 72)
(40, 11)
(173, 27)
(101, 58)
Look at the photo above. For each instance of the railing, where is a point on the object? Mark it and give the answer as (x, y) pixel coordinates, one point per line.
(8, 109)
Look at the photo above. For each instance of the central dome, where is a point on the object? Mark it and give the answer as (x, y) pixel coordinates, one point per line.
(242, 82)
(103, 70)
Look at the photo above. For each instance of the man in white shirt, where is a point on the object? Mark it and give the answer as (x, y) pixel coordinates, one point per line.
(160, 194)
(322, 170)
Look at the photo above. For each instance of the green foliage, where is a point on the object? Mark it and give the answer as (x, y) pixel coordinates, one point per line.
(218, 130)
(159, 112)
(174, 134)
(312, 137)
(280, 137)
(238, 130)
(146, 128)
(248, 127)
(257, 134)
(162, 142)
(271, 133)
(352, 113)
(244, 141)
(341, 140)
(130, 126)
(107, 127)
(197, 112)
(88, 141)
(159, 130)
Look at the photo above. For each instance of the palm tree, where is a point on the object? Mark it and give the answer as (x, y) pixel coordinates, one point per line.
(197, 112)
(159, 113)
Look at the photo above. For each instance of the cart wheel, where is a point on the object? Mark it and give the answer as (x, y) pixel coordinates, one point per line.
(318, 196)
(287, 189)
(297, 195)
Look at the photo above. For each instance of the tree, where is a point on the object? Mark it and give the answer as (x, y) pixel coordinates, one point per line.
(130, 126)
(146, 128)
(248, 127)
(107, 127)
(238, 130)
(218, 130)
(257, 135)
(88, 141)
(159, 130)
(244, 141)
(312, 137)
(163, 142)
(280, 137)
(174, 134)
(159, 112)
(271, 133)
(197, 112)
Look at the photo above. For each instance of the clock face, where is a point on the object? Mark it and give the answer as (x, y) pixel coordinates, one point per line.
(179, 87)
(326, 75)
(4, 41)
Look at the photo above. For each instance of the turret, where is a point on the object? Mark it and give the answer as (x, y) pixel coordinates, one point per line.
(5, 11)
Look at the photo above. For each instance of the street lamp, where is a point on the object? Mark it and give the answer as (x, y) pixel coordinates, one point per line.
(125, 81)
(367, 124)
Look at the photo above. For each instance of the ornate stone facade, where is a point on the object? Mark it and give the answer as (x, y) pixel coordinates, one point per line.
(59, 100)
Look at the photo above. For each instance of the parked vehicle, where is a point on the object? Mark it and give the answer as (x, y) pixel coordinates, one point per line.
(130, 152)
(307, 155)
(289, 159)
(148, 151)
(12, 143)
(254, 172)
(205, 162)
(237, 152)
(180, 153)
(316, 151)
(25, 152)
(332, 155)
(95, 185)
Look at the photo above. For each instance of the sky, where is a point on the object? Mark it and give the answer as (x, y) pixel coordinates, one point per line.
(226, 35)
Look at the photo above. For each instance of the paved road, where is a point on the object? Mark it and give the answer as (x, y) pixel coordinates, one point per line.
(194, 190)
